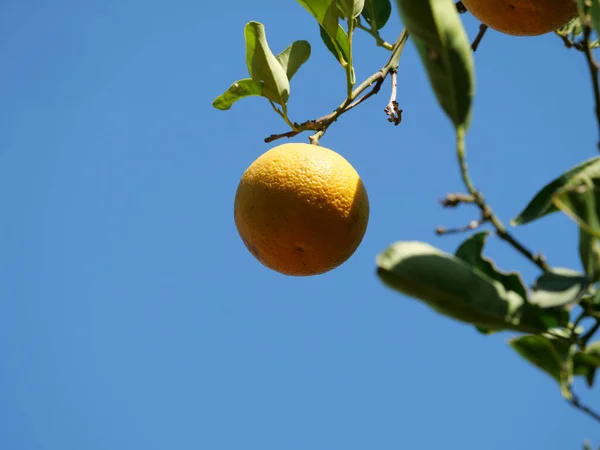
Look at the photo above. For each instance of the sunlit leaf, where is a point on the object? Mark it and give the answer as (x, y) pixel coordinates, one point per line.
(589, 253)
(541, 204)
(326, 13)
(293, 57)
(238, 90)
(263, 66)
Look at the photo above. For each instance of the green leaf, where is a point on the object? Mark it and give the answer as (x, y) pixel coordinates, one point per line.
(326, 13)
(471, 251)
(340, 48)
(377, 13)
(351, 8)
(589, 253)
(293, 57)
(558, 288)
(445, 50)
(587, 362)
(571, 29)
(580, 199)
(238, 90)
(551, 355)
(541, 204)
(456, 289)
(263, 66)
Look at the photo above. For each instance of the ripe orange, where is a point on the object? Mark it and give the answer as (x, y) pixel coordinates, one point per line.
(301, 209)
(523, 17)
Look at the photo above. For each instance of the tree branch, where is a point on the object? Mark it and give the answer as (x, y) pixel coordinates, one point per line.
(576, 403)
(487, 213)
(321, 124)
(482, 29)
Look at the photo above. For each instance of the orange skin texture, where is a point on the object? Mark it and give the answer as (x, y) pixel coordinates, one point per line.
(301, 209)
(523, 17)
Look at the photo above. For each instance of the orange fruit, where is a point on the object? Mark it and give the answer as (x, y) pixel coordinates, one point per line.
(523, 17)
(301, 209)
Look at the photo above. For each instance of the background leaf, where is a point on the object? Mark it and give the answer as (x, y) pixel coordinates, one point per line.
(587, 362)
(377, 13)
(239, 89)
(589, 254)
(326, 13)
(438, 33)
(558, 288)
(541, 204)
(351, 8)
(580, 199)
(471, 251)
(263, 66)
(551, 355)
(452, 287)
(293, 57)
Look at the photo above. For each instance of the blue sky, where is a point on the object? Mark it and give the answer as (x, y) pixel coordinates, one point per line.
(132, 316)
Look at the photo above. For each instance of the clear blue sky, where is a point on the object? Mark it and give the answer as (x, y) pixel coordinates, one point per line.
(131, 314)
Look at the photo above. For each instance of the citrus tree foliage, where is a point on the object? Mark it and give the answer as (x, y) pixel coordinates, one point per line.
(466, 285)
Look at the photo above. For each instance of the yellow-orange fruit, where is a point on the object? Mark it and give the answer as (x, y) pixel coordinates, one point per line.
(523, 17)
(301, 209)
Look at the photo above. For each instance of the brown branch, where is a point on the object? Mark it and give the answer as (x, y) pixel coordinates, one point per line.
(593, 66)
(453, 200)
(486, 211)
(321, 124)
(576, 403)
(392, 109)
(472, 225)
(482, 29)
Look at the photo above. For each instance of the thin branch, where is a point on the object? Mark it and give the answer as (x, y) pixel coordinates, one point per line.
(392, 109)
(321, 124)
(487, 212)
(590, 333)
(482, 29)
(460, 7)
(373, 32)
(593, 66)
(576, 403)
(453, 200)
(472, 225)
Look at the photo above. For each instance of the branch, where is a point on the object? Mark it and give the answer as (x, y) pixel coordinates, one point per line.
(576, 403)
(472, 225)
(593, 66)
(321, 124)
(487, 213)
(392, 109)
(482, 29)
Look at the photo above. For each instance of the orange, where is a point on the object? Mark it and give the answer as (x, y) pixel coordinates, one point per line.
(523, 17)
(301, 209)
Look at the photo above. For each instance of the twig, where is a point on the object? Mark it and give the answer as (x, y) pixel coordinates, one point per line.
(593, 66)
(392, 109)
(576, 403)
(321, 124)
(482, 29)
(589, 334)
(373, 32)
(453, 200)
(487, 212)
(473, 225)
(460, 7)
